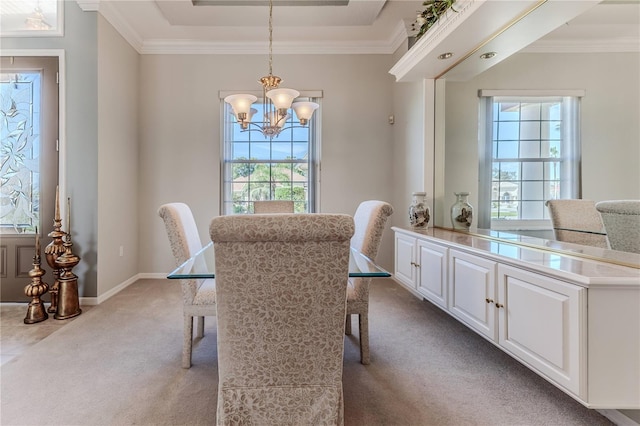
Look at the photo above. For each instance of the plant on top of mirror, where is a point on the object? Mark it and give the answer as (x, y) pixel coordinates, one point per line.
(434, 10)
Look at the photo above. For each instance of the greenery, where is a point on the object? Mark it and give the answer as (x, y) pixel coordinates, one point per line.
(267, 182)
(430, 15)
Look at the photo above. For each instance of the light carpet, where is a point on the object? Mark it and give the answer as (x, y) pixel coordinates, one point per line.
(119, 364)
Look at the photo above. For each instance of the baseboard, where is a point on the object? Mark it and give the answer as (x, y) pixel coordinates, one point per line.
(92, 301)
(618, 418)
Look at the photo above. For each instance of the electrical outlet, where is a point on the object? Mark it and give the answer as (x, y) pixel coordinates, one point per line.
(121, 251)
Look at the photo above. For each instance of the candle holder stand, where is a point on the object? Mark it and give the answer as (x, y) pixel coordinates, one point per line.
(36, 311)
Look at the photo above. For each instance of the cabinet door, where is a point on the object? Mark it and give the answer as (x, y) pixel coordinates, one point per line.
(405, 270)
(432, 270)
(541, 323)
(472, 292)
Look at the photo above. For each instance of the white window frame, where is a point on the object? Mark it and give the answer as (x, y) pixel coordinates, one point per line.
(570, 158)
(227, 121)
(11, 12)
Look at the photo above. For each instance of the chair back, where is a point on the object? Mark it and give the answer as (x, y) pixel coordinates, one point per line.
(622, 221)
(577, 221)
(281, 289)
(273, 206)
(370, 219)
(184, 240)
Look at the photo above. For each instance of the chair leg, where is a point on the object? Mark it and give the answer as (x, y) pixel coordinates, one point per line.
(347, 325)
(187, 339)
(200, 327)
(363, 320)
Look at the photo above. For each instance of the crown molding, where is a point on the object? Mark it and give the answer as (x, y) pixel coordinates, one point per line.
(198, 47)
(328, 47)
(121, 25)
(89, 5)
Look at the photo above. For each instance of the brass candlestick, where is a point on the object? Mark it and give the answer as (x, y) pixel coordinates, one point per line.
(68, 302)
(52, 252)
(36, 311)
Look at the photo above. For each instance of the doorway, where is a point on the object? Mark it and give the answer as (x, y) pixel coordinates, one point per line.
(29, 137)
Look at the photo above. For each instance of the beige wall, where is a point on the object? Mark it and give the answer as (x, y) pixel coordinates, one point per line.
(117, 218)
(180, 134)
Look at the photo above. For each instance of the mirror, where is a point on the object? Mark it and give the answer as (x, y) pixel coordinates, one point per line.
(607, 73)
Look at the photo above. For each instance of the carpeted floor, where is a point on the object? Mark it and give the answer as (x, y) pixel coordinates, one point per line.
(119, 364)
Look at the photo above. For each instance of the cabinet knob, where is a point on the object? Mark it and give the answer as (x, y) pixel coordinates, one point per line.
(499, 305)
(415, 264)
(489, 300)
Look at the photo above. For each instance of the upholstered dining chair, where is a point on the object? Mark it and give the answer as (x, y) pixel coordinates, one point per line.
(370, 219)
(273, 206)
(577, 221)
(281, 298)
(198, 296)
(622, 221)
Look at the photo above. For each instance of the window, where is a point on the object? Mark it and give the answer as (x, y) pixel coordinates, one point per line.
(256, 167)
(531, 154)
(30, 18)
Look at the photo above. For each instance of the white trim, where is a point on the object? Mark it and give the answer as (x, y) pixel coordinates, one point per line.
(202, 47)
(111, 15)
(530, 92)
(62, 109)
(117, 289)
(57, 32)
(89, 5)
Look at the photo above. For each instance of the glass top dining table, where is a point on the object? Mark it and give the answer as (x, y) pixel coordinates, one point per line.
(201, 265)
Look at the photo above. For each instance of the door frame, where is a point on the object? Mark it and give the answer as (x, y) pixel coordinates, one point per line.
(62, 128)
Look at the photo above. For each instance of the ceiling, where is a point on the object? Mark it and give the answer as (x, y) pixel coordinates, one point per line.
(327, 26)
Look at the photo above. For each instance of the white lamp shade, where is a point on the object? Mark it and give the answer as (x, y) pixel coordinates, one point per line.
(251, 113)
(240, 103)
(275, 119)
(282, 98)
(304, 110)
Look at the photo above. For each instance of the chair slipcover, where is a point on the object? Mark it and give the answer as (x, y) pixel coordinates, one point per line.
(281, 307)
(273, 206)
(199, 296)
(577, 221)
(370, 220)
(622, 222)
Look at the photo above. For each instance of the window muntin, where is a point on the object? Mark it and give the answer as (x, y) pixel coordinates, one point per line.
(533, 156)
(256, 167)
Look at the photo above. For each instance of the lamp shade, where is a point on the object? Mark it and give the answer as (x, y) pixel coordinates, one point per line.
(240, 103)
(304, 110)
(276, 120)
(282, 98)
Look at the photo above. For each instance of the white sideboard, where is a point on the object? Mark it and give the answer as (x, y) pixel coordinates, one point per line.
(574, 321)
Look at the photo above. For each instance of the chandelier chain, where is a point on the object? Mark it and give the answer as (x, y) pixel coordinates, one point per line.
(270, 37)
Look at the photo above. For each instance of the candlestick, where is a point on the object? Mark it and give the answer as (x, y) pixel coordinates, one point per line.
(36, 288)
(37, 243)
(68, 215)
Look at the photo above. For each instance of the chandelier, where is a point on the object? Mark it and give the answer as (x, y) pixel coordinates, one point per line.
(277, 101)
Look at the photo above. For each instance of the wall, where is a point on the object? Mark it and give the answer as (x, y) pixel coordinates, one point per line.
(610, 110)
(180, 134)
(79, 140)
(412, 145)
(118, 105)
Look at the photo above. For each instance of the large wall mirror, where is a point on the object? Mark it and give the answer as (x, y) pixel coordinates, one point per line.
(595, 56)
